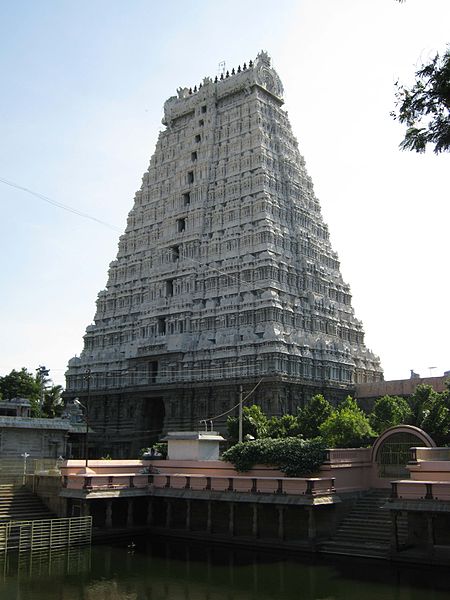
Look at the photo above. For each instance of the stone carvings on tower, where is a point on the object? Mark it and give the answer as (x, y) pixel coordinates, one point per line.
(225, 275)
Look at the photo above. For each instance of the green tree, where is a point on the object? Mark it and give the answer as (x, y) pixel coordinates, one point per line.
(315, 412)
(431, 412)
(254, 423)
(282, 427)
(22, 384)
(436, 421)
(425, 107)
(347, 426)
(389, 411)
(420, 402)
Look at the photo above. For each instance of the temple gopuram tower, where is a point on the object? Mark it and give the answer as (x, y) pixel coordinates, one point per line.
(225, 276)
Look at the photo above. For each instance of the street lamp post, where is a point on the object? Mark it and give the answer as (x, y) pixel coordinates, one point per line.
(25, 455)
(87, 376)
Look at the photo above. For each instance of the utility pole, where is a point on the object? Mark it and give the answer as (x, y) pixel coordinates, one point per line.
(240, 413)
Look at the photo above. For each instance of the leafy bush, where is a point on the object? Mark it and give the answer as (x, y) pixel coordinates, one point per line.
(347, 427)
(293, 456)
(158, 450)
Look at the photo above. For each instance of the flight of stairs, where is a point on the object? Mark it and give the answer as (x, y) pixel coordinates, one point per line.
(18, 503)
(366, 530)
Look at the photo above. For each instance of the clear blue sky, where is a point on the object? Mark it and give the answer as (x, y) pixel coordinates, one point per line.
(83, 84)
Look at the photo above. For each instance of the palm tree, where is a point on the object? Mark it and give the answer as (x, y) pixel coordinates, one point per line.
(53, 405)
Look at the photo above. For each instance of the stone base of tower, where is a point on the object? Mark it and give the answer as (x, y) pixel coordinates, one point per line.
(126, 421)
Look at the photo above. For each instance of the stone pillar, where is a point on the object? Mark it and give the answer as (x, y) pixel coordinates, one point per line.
(63, 511)
(150, 512)
(255, 575)
(130, 512)
(231, 519)
(168, 513)
(281, 570)
(394, 532)
(208, 565)
(312, 531)
(280, 510)
(108, 518)
(231, 567)
(187, 561)
(255, 529)
(430, 533)
(188, 515)
(209, 517)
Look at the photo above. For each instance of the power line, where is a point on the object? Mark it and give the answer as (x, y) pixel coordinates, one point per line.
(58, 204)
(233, 407)
(113, 227)
(127, 374)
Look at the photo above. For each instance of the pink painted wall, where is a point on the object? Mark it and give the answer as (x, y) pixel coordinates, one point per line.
(430, 470)
(350, 475)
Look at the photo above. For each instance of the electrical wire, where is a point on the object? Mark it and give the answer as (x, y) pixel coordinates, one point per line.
(126, 374)
(234, 407)
(59, 204)
(104, 223)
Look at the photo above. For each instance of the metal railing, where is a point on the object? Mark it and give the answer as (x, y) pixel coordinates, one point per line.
(45, 533)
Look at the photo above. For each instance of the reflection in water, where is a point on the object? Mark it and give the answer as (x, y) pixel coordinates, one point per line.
(180, 570)
(45, 562)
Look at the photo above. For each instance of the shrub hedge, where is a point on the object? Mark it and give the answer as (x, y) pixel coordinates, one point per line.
(293, 456)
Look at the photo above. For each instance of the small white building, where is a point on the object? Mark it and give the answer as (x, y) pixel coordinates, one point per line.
(193, 445)
(39, 437)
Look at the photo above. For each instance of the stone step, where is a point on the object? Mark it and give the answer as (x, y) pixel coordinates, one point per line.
(16, 506)
(13, 492)
(363, 551)
(362, 535)
(365, 530)
(20, 504)
(21, 498)
(362, 527)
(34, 511)
(356, 540)
(13, 501)
(363, 505)
(373, 519)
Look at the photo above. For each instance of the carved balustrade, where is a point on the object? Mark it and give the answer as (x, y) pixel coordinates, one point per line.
(420, 490)
(313, 486)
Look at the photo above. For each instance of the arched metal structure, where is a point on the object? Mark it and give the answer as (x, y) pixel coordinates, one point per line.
(392, 450)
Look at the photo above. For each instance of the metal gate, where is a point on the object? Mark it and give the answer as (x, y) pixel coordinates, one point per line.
(395, 453)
